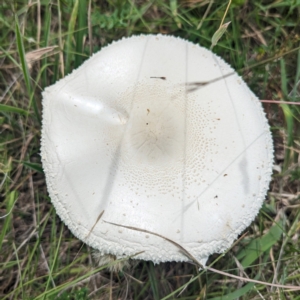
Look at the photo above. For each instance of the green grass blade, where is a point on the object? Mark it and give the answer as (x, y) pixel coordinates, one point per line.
(261, 244)
(22, 57)
(56, 290)
(289, 119)
(34, 166)
(50, 277)
(284, 88)
(69, 43)
(82, 31)
(153, 281)
(21, 52)
(46, 30)
(11, 109)
(238, 293)
(19, 269)
(10, 201)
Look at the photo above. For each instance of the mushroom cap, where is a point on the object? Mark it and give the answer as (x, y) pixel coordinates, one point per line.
(154, 144)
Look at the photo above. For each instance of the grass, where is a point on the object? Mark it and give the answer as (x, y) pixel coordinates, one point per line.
(40, 42)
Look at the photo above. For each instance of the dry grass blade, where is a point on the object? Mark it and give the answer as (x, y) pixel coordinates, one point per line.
(290, 287)
(280, 102)
(181, 249)
(193, 259)
(193, 86)
(38, 54)
(98, 219)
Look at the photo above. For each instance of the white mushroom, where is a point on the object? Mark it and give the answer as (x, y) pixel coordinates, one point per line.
(155, 146)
